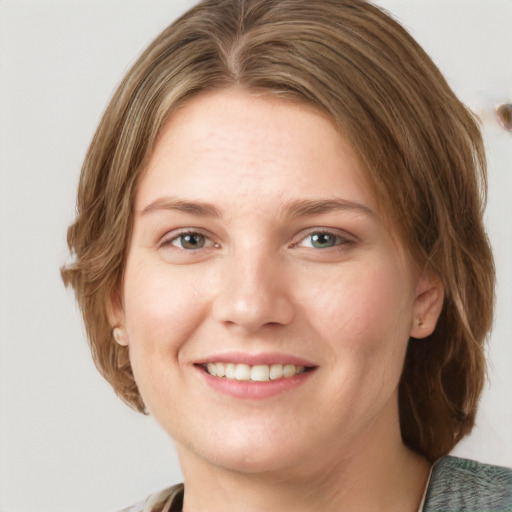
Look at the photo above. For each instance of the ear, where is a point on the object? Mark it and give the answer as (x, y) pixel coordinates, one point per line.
(115, 315)
(428, 304)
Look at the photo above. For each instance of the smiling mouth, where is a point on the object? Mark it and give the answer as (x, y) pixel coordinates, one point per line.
(256, 373)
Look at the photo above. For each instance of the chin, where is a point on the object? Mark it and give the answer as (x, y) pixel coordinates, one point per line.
(251, 462)
(244, 451)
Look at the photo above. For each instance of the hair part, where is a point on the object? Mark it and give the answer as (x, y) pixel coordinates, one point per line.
(420, 148)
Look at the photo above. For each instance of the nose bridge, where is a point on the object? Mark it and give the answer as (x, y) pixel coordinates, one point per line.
(252, 291)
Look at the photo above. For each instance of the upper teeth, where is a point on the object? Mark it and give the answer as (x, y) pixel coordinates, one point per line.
(260, 372)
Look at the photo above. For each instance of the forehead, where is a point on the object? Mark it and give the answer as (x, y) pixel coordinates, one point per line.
(233, 143)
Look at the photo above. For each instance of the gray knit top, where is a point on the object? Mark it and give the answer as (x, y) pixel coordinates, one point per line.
(462, 485)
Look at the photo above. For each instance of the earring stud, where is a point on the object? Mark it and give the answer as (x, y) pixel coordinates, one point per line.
(116, 334)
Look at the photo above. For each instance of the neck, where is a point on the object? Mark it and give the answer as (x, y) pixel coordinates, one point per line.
(368, 475)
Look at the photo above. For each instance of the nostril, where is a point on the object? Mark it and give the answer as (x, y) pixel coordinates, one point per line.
(252, 309)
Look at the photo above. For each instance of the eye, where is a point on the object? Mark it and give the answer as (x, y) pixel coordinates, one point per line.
(323, 240)
(189, 241)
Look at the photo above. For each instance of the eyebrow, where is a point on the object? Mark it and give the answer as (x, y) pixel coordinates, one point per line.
(297, 208)
(305, 207)
(198, 208)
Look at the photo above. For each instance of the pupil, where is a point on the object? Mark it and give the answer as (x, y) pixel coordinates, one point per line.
(193, 241)
(322, 240)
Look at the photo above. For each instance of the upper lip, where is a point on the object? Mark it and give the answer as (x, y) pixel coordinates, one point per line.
(267, 358)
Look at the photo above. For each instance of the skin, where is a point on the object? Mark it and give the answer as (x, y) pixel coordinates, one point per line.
(255, 283)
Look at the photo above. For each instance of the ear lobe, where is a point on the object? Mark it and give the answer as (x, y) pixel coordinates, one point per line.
(115, 315)
(428, 305)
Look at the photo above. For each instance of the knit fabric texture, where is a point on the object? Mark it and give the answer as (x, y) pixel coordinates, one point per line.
(462, 485)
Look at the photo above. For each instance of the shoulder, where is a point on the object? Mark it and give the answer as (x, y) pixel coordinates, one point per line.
(170, 500)
(462, 485)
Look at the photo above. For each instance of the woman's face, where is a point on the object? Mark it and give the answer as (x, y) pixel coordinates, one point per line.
(258, 252)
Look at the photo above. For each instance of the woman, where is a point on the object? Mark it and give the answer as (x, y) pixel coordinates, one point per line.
(280, 255)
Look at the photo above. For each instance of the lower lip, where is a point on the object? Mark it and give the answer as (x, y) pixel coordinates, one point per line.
(253, 390)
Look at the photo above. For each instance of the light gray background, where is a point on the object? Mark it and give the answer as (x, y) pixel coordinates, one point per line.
(67, 444)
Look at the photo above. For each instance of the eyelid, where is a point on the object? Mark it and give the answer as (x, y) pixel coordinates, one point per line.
(167, 239)
(345, 236)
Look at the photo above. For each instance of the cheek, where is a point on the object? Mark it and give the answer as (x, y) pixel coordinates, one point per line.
(162, 312)
(364, 306)
(162, 308)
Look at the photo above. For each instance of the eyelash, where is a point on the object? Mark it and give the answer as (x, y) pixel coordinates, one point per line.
(339, 240)
(170, 238)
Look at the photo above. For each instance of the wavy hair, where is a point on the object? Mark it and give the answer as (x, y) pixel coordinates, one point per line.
(419, 146)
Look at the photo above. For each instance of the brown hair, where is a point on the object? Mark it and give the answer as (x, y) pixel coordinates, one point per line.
(420, 147)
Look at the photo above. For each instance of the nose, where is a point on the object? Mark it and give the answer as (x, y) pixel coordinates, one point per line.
(253, 293)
